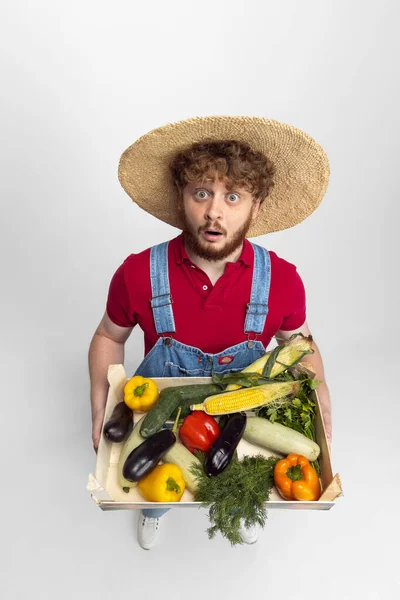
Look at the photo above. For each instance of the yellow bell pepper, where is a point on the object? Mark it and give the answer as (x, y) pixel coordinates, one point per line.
(164, 484)
(140, 394)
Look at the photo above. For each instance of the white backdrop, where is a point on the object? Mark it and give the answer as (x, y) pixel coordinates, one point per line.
(80, 81)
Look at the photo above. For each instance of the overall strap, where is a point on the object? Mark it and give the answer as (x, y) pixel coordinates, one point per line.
(257, 309)
(161, 300)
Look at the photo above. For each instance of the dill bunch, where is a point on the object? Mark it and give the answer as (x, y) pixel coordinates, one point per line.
(239, 492)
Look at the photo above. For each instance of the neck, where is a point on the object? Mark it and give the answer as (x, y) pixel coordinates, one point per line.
(214, 268)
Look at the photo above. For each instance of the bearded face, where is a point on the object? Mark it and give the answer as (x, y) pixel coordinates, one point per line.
(216, 220)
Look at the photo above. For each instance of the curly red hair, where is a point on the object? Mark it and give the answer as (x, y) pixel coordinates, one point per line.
(233, 162)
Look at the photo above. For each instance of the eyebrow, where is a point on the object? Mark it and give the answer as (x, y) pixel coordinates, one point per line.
(204, 187)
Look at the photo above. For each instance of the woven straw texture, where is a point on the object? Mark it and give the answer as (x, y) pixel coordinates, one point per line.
(301, 178)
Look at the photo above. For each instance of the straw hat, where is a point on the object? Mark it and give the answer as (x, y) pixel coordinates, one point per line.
(300, 181)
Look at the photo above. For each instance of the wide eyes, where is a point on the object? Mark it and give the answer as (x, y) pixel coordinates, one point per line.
(203, 194)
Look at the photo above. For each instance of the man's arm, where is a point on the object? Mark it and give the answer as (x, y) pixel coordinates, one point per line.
(107, 348)
(316, 361)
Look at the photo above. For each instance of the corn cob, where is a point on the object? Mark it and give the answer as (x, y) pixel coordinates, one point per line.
(246, 398)
(291, 353)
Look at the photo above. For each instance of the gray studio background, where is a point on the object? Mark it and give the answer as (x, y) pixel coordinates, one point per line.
(80, 82)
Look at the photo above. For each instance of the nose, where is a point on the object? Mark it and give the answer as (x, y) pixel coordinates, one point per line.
(213, 209)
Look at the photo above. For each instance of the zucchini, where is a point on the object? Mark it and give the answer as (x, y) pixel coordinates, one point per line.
(133, 441)
(184, 459)
(279, 438)
(173, 398)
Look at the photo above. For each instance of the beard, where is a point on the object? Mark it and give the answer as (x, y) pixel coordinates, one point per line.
(205, 250)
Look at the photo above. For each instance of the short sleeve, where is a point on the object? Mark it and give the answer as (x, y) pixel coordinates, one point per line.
(296, 311)
(118, 303)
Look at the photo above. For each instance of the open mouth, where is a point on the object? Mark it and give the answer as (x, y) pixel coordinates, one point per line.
(212, 235)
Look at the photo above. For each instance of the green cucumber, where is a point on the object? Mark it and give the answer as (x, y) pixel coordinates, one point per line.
(180, 456)
(279, 438)
(173, 398)
(133, 441)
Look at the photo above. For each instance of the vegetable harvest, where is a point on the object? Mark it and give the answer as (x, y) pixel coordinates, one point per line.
(269, 404)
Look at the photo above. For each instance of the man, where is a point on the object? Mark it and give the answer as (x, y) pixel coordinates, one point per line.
(210, 299)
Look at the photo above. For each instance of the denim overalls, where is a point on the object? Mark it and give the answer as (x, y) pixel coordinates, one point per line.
(170, 358)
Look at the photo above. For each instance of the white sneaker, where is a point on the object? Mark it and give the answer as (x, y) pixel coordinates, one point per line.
(147, 531)
(249, 535)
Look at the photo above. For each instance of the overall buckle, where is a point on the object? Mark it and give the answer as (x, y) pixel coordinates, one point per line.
(167, 340)
(155, 301)
(251, 341)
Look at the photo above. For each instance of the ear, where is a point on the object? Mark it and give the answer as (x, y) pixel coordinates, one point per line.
(179, 201)
(256, 209)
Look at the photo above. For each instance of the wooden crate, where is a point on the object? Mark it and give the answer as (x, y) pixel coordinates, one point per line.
(108, 495)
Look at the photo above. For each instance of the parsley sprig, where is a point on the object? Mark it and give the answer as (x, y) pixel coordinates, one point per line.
(297, 413)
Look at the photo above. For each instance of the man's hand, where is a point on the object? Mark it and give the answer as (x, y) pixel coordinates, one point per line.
(316, 362)
(106, 348)
(97, 422)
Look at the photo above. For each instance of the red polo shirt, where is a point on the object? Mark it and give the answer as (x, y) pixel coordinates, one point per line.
(209, 317)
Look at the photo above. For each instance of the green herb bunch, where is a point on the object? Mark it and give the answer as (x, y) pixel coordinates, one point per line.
(239, 492)
(297, 413)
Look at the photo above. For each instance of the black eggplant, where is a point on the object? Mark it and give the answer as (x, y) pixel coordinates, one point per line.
(120, 424)
(223, 449)
(145, 458)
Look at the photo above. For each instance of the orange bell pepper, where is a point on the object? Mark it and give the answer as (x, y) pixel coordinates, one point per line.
(296, 479)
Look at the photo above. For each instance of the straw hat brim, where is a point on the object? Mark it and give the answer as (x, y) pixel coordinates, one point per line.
(300, 181)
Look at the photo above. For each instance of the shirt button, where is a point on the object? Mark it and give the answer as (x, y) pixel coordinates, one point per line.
(205, 287)
(193, 267)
